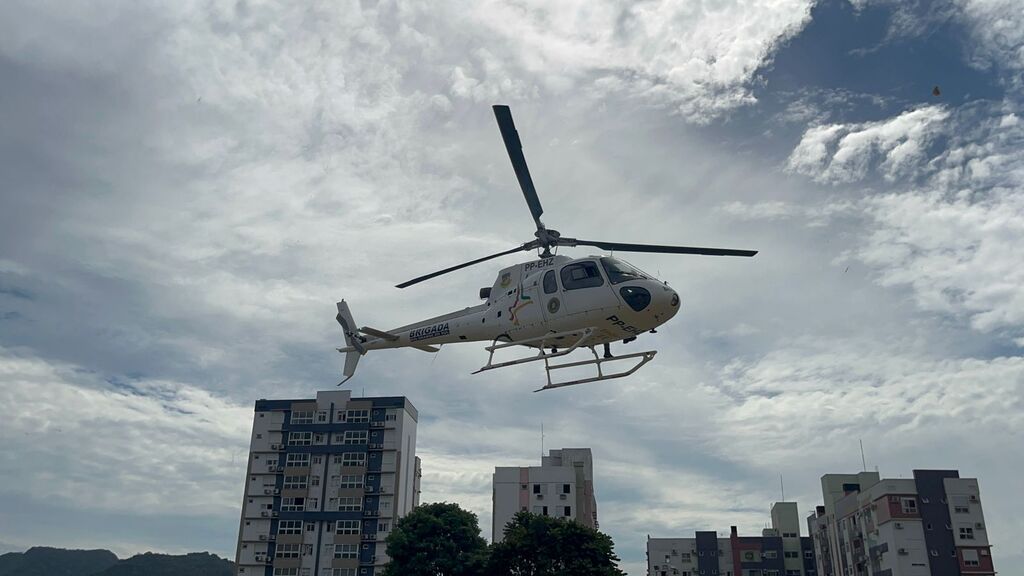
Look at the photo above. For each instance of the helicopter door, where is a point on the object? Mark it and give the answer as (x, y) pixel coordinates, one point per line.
(552, 299)
(584, 288)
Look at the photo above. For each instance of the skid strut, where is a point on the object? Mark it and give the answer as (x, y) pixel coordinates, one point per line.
(579, 338)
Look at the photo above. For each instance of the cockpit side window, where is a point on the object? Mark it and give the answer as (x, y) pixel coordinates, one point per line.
(550, 283)
(581, 275)
(619, 271)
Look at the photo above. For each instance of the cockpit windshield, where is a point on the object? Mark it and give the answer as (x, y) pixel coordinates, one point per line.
(619, 271)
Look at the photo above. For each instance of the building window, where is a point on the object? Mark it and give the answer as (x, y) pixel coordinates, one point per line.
(341, 572)
(566, 488)
(961, 510)
(295, 482)
(966, 533)
(354, 481)
(348, 527)
(342, 551)
(293, 504)
(303, 417)
(356, 437)
(300, 438)
(295, 460)
(536, 488)
(289, 527)
(353, 459)
(391, 417)
(350, 504)
(318, 459)
(789, 554)
(383, 526)
(311, 504)
(567, 511)
(287, 551)
(314, 481)
(909, 505)
(357, 416)
(286, 572)
(321, 416)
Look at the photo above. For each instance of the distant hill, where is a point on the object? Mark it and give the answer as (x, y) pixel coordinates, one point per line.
(42, 561)
(149, 564)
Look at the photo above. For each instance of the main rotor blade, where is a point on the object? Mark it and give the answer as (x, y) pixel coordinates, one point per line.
(528, 246)
(625, 247)
(515, 153)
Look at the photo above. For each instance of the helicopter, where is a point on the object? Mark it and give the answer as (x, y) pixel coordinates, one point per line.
(553, 303)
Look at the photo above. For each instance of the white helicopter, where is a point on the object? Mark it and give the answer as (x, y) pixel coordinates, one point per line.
(554, 304)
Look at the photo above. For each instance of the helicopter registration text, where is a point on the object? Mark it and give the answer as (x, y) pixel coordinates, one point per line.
(428, 332)
(530, 266)
(622, 325)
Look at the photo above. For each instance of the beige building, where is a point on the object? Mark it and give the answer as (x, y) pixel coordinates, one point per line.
(561, 487)
(326, 480)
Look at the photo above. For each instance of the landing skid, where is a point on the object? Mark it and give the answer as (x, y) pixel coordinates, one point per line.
(581, 338)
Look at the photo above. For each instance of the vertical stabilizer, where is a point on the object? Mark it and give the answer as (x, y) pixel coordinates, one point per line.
(353, 341)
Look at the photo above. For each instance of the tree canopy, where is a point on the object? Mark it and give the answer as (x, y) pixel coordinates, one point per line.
(437, 540)
(543, 546)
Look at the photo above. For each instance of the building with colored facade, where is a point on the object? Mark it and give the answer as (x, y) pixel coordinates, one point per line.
(327, 478)
(928, 525)
(562, 487)
(779, 551)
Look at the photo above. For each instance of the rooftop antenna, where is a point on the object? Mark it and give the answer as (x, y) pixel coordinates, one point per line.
(863, 462)
(782, 485)
(542, 440)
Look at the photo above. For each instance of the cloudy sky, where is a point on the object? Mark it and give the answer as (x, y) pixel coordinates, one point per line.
(186, 188)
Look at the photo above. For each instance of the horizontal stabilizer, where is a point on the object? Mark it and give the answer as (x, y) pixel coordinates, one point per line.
(426, 348)
(379, 333)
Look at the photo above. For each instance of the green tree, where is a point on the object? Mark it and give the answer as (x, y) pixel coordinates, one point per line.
(437, 540)
(537, 545)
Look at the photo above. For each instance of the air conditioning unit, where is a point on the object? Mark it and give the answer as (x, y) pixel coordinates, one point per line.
(268, 491)
(562, 496)
(899, 525)
(974, 498)
(263, 537)
(272, 537)
(265, 514)
(902, 552)
(540, 496)
(279, 469)
(277, 491)
(979, 526)
(273, 514)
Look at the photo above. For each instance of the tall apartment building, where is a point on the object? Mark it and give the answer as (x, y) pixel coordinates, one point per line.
(562, 486)
(779, 551)
(928, 525)
(326, 480)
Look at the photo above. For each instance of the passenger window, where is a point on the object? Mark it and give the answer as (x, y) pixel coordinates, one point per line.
(550, 284)
(582, 275)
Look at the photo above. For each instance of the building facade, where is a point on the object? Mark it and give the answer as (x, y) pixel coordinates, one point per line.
(928, 525)
(779, 551)
(327, 478)
(562, 487)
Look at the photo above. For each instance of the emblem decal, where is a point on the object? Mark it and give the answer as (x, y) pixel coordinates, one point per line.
(522, 301)
(553, 305)
(428, 332)
(506, 279)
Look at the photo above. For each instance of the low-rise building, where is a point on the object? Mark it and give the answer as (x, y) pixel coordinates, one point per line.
(779, 551)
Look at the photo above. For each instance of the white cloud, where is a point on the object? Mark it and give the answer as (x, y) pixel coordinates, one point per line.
(841, 153)
(76, 440)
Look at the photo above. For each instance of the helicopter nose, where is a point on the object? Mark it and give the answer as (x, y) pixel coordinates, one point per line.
(668, 302)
